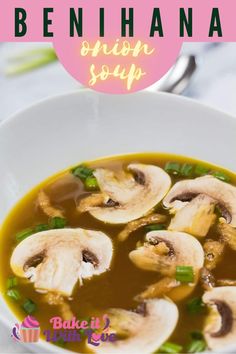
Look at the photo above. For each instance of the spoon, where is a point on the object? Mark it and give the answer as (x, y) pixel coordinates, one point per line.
(178, 77)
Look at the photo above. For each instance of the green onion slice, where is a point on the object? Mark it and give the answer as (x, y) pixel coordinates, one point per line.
(13, 294)
(91, 183)
(195, 305)
(82, 172)
(184, 274)
(173, 168)
(169, 347)
(57, 223)
(196, 335)
(221, 176)
(201, 170)
(196, 346)
(20, 236)
(30, 60)
(186, 170)
(29, 306)
(12, 282)
(60, 343)
(154, 227)
(41, 227)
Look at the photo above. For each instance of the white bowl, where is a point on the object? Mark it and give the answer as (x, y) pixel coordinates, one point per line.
(65, 130)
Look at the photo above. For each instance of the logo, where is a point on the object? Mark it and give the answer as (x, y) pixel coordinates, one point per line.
(27, 332)
(94, 330)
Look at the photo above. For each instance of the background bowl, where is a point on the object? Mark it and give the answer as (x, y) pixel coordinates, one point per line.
(65, 130)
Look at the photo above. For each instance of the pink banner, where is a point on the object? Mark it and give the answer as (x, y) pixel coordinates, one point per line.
(169, 10)
(117, 46)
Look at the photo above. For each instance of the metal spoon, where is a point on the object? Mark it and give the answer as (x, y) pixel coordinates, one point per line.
(178, 77)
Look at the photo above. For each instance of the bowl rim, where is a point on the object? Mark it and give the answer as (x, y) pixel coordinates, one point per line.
(86, 91)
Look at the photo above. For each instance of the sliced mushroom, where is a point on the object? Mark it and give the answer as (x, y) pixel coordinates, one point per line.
(196, 217)
(220, 328)
(223, 193)
(213, 253)
(55, 260)
(227, 233)
(207, 279)
(179, 249)
(226, 282)
(136, 224)
(92, 200)
(55, 299)
(159, 289)
(129, 195)
(141, 332)
(47, 207)
(163, 251)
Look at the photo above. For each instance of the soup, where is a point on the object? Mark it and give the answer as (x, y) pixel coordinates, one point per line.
(145, 241)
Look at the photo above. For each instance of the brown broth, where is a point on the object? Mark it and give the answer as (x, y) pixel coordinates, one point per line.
(118, 286)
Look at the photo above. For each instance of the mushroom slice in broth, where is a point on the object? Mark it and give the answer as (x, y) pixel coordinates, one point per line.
(55, 299)
(93, 200)
(226, 282)
(223, 193)
(207, 279)
(214, 251)
(159, 289)
(47, 207)
(181, 250)
(141, 332)
(227, 233)
(136, 224)
(196, 217)
(55, 260)
(133, 194)
(164, 251)
(220, 328)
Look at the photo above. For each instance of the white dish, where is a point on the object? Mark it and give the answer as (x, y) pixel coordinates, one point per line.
(65, 130)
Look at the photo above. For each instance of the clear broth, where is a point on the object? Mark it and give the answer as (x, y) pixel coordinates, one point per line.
(118, 286)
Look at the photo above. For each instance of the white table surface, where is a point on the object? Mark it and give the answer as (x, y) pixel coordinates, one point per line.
(214, 84)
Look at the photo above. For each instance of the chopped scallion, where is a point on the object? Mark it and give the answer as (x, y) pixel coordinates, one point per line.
(196, 335)
(195, 305)
(173, 168)
(91, 183)
(155, 227)
(20, 236)
(196, 346)
(29, 306)
(30, 60)
(57, 223)
(186, 170)
(221, 176)
(41, 227)
(82, 331)
(13, 294)
(201, 170)
(60, 343)
(184, 274)
(11, 282)
(82, 172)
(169, 347)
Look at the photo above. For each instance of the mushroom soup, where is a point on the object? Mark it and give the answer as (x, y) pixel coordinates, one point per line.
(148, 239)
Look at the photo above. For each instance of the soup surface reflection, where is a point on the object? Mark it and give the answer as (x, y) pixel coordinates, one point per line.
(162, 233)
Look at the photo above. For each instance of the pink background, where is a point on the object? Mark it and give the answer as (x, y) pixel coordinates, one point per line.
(155, 66)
